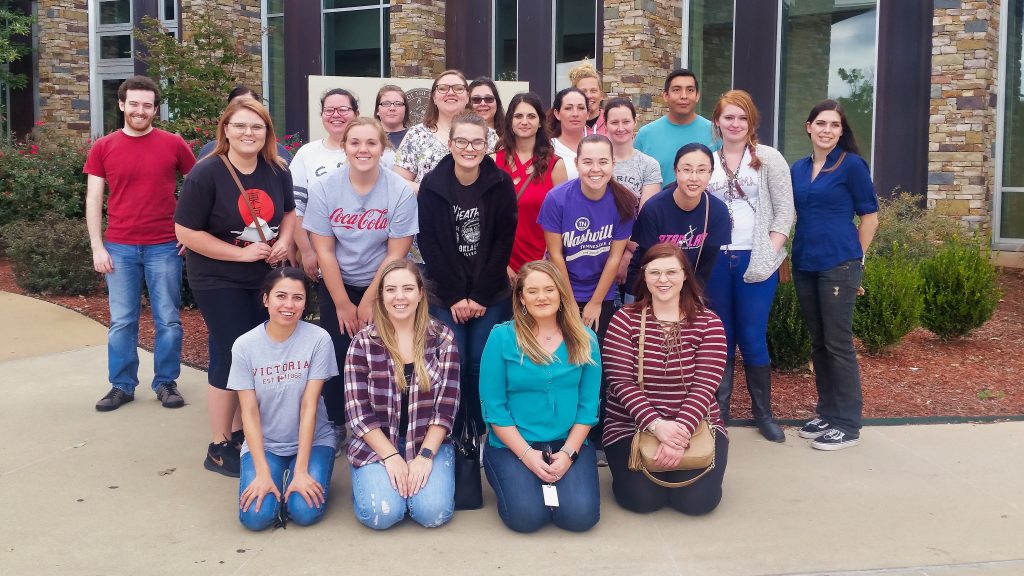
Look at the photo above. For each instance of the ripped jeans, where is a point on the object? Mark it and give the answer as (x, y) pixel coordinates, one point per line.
(379, 506)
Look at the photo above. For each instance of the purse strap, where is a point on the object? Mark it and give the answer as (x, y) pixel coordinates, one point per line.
(707, 212)
(241, 190)
(684, 483)
(640, 350)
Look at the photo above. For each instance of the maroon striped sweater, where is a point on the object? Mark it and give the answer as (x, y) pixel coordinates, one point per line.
(678, 385)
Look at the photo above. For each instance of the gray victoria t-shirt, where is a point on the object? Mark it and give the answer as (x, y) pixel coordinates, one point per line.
(362, 224)
(278, 372)
(637, 172)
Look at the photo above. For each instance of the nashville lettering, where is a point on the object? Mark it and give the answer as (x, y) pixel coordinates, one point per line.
(372, 219)
(572, 239)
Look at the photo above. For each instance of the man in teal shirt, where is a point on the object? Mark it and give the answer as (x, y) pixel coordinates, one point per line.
(678, 127)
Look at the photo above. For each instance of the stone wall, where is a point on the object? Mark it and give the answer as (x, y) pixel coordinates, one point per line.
(417, 38)
(642, 43)
(961, 130)
(63, 57)
(244, 16)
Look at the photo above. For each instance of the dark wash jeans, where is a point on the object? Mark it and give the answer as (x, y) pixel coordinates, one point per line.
(826, 302)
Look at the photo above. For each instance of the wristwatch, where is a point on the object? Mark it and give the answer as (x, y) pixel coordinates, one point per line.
(427, 453)
(654, 424)
(572, 454)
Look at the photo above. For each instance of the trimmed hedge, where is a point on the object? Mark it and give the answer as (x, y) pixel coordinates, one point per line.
(891, 305)
(960, 289)
(51, 255)
(789, 342)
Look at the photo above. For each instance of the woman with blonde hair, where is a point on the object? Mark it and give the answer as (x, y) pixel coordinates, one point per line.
(539, 387)
(587, 79)
(401, 397)
(235, 216)
(754, 183)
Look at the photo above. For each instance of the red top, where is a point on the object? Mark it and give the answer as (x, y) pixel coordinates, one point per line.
(142, 173)
(529, 241)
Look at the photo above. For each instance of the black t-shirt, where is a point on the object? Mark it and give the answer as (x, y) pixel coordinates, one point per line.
(467, 220)
(403, 423)
(210, 202)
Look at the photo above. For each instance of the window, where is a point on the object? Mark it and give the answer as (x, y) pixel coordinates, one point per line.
(828, 51)
(708, 32)
(1009, 196)
(273, 62)
(575, 37)
(356, 38)
(506, 36)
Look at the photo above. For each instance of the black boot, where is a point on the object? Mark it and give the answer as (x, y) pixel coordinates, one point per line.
(759, 383)
(724, 392)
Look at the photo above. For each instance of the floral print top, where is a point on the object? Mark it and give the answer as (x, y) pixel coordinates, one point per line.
(420, 151)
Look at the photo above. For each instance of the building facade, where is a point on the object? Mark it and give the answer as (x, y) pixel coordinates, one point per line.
(934, 89)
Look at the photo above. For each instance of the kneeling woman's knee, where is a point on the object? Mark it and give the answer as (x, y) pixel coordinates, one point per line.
(579, 520)
(302, 513)
(379, 512)
(432, 515)
(260, 520)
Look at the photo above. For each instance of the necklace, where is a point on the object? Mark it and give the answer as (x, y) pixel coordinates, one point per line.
(734, 191)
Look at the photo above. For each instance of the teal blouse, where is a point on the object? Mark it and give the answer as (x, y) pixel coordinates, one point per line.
(542, 400)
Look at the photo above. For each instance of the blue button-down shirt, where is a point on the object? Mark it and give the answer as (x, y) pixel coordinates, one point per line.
(825, 234)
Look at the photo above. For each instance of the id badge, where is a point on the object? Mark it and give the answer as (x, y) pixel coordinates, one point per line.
(550, 495)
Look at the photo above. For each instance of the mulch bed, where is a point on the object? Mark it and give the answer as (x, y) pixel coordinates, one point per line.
(979, 376)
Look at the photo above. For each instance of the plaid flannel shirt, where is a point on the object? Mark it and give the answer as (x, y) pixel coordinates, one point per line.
(372, 399)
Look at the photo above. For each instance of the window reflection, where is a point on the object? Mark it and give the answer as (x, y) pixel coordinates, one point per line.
(356, 41)
(710, 50)
(505, 40)
(575, 36)
(1011, 212)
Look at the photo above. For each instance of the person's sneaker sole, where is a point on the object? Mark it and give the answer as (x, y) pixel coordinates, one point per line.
(213, 467)
(112, 407)
(835, 445)
(811, 435)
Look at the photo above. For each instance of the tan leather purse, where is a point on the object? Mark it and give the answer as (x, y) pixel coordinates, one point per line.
(699, 455)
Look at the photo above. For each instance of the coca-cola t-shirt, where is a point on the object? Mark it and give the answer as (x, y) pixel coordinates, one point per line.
(210, 202)
(361, 224)
(588, 228)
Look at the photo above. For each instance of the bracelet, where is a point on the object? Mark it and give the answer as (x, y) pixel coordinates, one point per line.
(385, 459)
(523, 455)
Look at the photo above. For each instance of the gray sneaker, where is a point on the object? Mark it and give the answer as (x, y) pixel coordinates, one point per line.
(114, 400)
(168, 395)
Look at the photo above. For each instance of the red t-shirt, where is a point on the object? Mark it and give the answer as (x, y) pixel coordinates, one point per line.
(529, 241)
(142, 174)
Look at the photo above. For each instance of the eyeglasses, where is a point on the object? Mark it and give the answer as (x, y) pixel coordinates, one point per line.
(673, 274)
(462, 143)
(445, 88)
(337, 109)
(687, 172)
(395, 104)
(482, 99)
(242, 127)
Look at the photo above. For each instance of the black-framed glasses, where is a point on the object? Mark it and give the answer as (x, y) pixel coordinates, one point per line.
(463, 143)
(445, 88)
(331, 111)
(395, 104)
(482, 99)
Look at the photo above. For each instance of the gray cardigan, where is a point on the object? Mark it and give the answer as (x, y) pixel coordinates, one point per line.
(774, 215)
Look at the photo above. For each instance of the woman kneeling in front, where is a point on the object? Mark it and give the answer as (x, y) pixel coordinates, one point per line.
(401, 396)
(683, 356)
(278, 369)
(540, 380)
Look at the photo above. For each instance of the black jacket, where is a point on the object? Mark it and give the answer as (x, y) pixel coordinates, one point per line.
(452, 276)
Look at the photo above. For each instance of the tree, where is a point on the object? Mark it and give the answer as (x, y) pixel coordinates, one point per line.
(15, 32)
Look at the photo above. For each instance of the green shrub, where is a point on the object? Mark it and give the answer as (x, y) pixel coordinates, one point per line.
(789, 342)
(891, 305)
(959, 288)
(41, 176)
(51, 255)
(904, 221)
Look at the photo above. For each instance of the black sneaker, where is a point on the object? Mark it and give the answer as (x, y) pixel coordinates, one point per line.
(834, 439)
(169, 396)
(237, 437)
(814, 428)
(222, 458)
(114, 400)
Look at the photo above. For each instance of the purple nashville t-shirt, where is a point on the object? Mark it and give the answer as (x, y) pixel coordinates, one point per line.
(588, 228)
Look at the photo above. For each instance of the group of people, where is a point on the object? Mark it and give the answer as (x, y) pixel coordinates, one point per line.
(554, 279)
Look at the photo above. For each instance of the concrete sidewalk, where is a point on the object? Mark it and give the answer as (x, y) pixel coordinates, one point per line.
(125, 492)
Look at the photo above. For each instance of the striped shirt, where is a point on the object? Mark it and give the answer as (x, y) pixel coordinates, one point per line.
(679, 384)
(372, 399)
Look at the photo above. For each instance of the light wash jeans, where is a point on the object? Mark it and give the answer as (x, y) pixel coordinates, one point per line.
(160, 266)
(379, 506)
(321, 466)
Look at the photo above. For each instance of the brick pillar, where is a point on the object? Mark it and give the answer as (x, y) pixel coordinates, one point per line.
(63, 42)
(642, 43)
(246, 25)
(961, 130)
(417, 38)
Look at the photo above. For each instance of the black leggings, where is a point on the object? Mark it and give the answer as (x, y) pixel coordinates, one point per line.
(229, 313)
(635, 492)
(334, 388)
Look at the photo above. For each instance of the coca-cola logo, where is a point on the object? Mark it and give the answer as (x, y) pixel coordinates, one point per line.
(372, 219)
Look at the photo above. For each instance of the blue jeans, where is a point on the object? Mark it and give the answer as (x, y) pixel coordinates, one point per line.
(826, 301)
(521, 501)
(742, 307)
(321, 465)
(160, 266)
(379, 506)
(470, 337)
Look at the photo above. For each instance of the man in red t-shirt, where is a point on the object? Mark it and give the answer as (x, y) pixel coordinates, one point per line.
(140, 164)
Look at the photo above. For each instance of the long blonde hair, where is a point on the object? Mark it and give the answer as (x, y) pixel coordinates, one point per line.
(574, 333)
(389, 336)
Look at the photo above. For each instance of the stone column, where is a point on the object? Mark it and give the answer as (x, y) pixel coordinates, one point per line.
(642, 43)
(417, 38)
(63, 44)
(961, 130)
